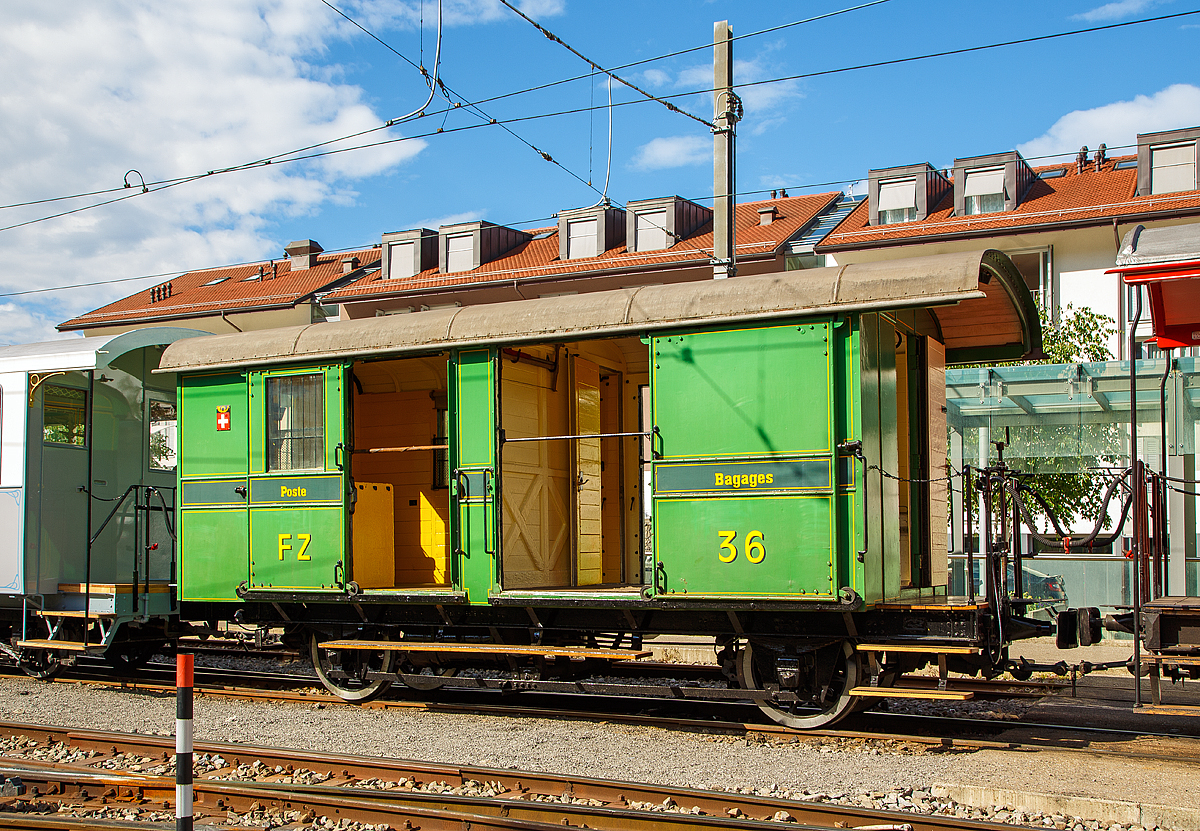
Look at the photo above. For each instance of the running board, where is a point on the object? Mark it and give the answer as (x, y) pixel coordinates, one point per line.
(62, 646)
(912, 692)
(491, 649)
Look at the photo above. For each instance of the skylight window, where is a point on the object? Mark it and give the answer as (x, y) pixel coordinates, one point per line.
(984, 191)
(1053, 174)
(214, 282)
(1128, 164)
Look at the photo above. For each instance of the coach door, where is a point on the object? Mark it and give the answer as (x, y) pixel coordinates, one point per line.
(298, 479)
(214, 426)
(474, 484)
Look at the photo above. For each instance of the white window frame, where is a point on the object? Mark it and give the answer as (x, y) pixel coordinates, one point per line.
(1186, 162)
(897, 201)
(460, 259)
(402, 253)
(576, 249)
(650, 231)
(982, 182)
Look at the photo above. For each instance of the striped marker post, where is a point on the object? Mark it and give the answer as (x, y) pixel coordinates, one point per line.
(184, 666)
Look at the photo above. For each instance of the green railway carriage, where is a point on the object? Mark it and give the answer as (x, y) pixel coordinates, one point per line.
(537, 479)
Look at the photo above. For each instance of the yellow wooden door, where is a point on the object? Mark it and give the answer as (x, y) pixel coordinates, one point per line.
(588, 548)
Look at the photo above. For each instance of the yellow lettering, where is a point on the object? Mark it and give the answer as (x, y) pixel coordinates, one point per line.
(720, 480)
(283, 546)
(283, 490)
(727, 538)
(745, 479)
(770, 478)
(307, 538)
(304, 492)
(761, 478)
(755, 551)
(737, 481)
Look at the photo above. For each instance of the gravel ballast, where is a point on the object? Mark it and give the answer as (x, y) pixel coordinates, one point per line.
(874, 773)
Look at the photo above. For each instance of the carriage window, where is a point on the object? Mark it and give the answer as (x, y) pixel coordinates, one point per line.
(441, 458)
(296, 422)
(64, 416)
(163, 435)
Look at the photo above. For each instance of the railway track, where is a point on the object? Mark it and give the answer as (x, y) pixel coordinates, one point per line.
(932, 731)
(271, 784)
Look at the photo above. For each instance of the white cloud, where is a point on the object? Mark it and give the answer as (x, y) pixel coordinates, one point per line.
(673, 151)
(1116, 10)
(764, 104)
(95, 88)
(379, 15)
(1118, 124)
(450, 219)
(656, 77)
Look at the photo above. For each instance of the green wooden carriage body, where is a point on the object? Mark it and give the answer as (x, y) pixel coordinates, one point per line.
(755, 492)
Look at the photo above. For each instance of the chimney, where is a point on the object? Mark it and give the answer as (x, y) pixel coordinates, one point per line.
(1101, 157)
(1081, 159)
(766, 214)
(303, 253)
(349, 264)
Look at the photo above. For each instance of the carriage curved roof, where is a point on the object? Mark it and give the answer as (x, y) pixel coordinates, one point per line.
(982, 305)
(82, 354)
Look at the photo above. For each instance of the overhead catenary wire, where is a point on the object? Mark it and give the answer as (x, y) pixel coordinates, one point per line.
(448, 110)
(651, 96)
(292, 155)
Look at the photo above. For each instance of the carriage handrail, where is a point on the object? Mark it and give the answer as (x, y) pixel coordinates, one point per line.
(166, 511)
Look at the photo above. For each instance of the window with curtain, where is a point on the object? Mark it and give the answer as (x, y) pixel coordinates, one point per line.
(897, 201)
(984, 191)
(296, 422)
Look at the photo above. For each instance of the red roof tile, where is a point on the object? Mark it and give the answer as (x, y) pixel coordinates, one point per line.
(236, 288)
(539, 257)
(1071, 199)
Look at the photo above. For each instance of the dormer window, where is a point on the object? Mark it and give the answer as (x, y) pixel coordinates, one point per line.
(657, 224)
(991, 184)
(581, 238)
(1166, 161)
(650, 231)
(408, 253)
(904, 194)
(1173, 168)
(468, 245)
(401, 259)
(589, 232)
(897, 201)
(984, 192)
(460, 252)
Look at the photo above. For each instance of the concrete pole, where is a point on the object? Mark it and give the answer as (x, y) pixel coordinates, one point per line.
(724, 117)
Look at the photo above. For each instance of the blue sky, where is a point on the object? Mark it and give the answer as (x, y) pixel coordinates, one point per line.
(98, 88)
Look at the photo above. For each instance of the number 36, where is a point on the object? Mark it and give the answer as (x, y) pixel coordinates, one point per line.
(755, 550)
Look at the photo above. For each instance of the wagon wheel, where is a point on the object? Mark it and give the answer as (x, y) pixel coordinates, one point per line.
(821, 701)
(424, 676)
(356, 664)
(127, 657)
(40, 663)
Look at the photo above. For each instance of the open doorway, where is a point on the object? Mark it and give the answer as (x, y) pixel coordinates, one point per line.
(400, 470)
(571, 514)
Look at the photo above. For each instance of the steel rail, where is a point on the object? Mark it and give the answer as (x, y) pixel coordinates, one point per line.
(538, 801)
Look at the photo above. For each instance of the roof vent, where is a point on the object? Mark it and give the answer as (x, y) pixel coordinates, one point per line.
(1101, 157)
(303, 253)
(349, 264)
(767, 214)
(1081, 159)
(160, 292)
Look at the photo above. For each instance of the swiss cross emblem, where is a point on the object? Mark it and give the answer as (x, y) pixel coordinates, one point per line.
(222, 418)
